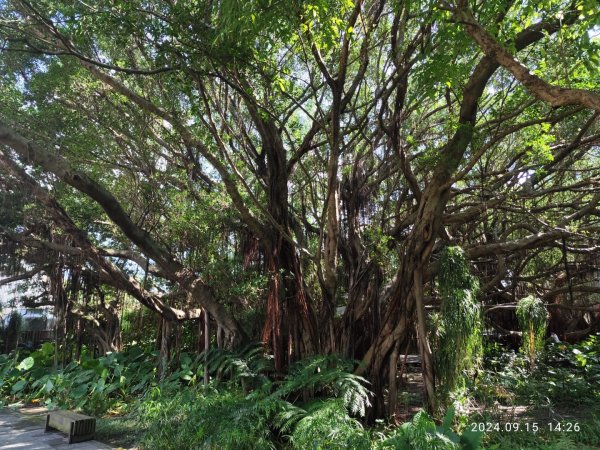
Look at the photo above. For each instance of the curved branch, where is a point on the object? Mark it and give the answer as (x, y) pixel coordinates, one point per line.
(554, 95)
(24, 276)
(173, 269)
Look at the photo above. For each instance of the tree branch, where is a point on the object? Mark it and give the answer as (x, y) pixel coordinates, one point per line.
(554, 95)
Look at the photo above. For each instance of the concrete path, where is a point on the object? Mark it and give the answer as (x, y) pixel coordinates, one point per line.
(26, 432)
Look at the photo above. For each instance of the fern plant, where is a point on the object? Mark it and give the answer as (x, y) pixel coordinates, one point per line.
(533, 321)
(421, 433)
(458, 341)
(327, 424)
(328, 376)
(247, 367)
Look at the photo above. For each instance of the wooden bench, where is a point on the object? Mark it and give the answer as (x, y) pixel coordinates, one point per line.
(79, 427)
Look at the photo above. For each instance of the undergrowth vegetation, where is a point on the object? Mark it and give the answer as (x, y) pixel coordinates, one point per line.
(561, 390)
(565, 374)
(533, 320)
(319, 404)
(457, 342)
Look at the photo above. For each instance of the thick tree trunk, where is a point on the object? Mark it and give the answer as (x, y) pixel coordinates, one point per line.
(392, 383)
(397, 323)
(361, 318)
(289, 326)
(424, 348)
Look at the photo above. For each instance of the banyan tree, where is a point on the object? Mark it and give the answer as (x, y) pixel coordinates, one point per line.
(293, 171)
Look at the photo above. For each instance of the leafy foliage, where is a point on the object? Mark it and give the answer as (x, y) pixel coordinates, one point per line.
(313, 149)
(93, 385)
(246, 409)
(566, 374)
(201, 418)
(458, 340)
(315, 406)
(241, 408)
(327, 424)
(533, 320)
(422, 433)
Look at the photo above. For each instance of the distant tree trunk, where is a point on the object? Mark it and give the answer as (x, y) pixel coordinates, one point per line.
(200, 347)
(176, 347)
(110, 325)
(165, 349)
(206, 345)
(12, 332)
(79, 340)
(60, 312)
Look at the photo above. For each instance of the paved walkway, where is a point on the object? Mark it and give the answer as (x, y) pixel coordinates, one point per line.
(26, 432)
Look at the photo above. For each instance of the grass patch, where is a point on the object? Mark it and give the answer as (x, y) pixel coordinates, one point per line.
(119, 431)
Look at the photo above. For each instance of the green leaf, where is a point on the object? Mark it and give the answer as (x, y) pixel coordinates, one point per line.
(26, 364)
(79, 391)
(100, 385)
(448, 418)
(49, 386)
(471, 440)
(38, 372)
(19, 386)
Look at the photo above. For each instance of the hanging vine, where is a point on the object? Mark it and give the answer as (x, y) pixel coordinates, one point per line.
(459, 324)
(533, 321)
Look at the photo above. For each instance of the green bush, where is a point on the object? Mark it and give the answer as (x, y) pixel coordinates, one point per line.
(93, 385)
(533, 320)
(327, 424)
(201, 418)
(243, 408)
(317, 405)
(422, 434)
(457, 341)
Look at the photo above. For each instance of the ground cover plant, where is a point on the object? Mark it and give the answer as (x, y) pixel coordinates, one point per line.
(561, 390)
(320, 404)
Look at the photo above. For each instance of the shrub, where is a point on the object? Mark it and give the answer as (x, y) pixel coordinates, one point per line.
(533, 321)
(458, 341)
(422, 434)
(327, 424)
(201, 418)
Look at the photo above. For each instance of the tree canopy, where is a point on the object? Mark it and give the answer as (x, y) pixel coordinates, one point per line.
(295, 169)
